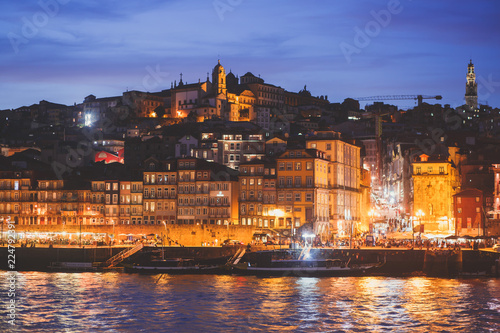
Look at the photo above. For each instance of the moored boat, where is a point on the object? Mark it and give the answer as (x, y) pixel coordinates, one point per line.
(173, 266)
(306, 268)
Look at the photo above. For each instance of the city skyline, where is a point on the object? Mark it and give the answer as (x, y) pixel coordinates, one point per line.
(62, 51)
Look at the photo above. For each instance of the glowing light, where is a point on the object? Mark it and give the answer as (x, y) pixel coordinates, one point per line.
(277, 212)
(88, 120)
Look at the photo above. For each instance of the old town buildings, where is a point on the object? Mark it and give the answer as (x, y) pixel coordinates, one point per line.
(241, 152)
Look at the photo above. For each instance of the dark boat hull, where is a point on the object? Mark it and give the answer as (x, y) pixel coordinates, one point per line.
(148, 269)
(301, 272)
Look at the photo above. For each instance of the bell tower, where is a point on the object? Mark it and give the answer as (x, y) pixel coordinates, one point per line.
(219, 79)
(471, 87)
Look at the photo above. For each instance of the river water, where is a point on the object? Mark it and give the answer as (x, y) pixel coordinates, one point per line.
(118, 302)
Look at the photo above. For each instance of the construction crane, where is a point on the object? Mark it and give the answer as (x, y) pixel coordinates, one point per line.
(419, 98)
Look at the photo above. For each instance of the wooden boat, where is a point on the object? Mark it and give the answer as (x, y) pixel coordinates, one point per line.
(306, 268)
(173, 266)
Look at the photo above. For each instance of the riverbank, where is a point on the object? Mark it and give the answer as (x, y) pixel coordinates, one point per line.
(396, 261)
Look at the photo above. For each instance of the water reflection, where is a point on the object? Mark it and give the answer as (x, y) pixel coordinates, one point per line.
(86, 302)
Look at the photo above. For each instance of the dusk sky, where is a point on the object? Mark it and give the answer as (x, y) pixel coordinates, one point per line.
(67, 49)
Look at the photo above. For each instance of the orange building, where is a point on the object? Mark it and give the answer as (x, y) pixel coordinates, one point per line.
(258, 194)
(302, 191)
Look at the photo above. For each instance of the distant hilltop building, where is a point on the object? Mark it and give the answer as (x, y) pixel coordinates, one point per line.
(228, 97)
(471, 87)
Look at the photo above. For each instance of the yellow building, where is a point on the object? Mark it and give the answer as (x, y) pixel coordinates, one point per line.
(435, 181)
(344, 175)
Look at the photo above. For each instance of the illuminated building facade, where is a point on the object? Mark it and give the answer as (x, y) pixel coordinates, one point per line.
(344, 180)
(257, 195)
(469, 213)
(302, 190)
(435, 182)
(159, 192)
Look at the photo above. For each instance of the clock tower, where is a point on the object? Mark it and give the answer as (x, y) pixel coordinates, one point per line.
(471, 87)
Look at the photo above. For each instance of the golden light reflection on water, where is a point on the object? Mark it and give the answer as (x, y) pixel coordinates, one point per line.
(86, 302)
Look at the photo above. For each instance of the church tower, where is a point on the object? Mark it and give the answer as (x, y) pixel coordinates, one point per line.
(219, 79)
(471, 87)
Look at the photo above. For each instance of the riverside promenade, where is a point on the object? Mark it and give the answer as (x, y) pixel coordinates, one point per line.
(397, 261)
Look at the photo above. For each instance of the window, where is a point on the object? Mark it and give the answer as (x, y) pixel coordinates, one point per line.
(244, 181)
(289, 181)
(418, 170)
(477, 199)
(297, 197)
(328, 146)
(289, 166)
(441, 170)
(282, 181)
(281, 166)
(309, 166)
(298, 181)
(251, 182)
(298, 166)
(289, 197)
(309, 197)
(309, 181)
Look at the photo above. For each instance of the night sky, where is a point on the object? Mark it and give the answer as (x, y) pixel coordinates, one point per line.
(64, 52)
